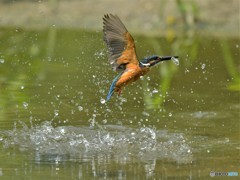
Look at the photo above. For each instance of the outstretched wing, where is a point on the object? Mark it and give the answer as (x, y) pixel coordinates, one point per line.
(120, 44)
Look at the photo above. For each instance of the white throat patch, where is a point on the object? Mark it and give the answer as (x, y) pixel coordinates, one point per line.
(145, 64)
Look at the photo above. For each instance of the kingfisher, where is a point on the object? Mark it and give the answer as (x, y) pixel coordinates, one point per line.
(122, 55)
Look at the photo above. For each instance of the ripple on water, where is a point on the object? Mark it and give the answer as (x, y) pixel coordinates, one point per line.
(119, 141)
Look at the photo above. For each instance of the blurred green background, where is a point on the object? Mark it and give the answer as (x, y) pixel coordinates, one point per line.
(215, 17)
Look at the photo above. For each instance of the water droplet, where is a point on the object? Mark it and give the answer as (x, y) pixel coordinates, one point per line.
(175, 60)
(170, 114)
(25, 105)
(1, 61)
(237, 46)
(80, 108)
(103, 101)
(104, 121)
(22, 87)
(203, 66)
(155, 91)
(56, 113)
(145, 113)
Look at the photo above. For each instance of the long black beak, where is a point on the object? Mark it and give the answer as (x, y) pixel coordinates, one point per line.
(160, 59)
(165, 58)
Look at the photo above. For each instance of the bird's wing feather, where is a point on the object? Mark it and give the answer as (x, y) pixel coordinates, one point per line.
(120, 44)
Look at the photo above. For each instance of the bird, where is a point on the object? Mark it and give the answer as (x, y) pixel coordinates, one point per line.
(122, 55)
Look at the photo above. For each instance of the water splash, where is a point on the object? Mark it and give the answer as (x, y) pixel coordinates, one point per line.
(119, 141)
(25, 105)
(2, 61)
(155, 91)
(103, 101)
(175, 60)
(99, 54)
(80, 108)
(56, 113)
(203, 66)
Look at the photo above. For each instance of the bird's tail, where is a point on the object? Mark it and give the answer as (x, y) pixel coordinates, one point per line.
(111, 90)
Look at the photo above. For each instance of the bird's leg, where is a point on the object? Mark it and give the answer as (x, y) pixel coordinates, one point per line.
(119, 91)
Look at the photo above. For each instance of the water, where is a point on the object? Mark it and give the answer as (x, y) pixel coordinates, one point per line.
(177, 121)
(175, 60)
(122, 142)
(1, 61)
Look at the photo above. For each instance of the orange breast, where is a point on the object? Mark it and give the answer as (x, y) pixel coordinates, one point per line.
(131, 74)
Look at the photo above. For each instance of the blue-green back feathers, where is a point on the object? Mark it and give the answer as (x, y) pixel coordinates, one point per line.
(111, 90)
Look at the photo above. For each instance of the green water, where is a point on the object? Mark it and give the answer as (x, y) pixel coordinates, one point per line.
(178, 121)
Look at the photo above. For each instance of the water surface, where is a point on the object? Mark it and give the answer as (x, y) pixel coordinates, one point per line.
(177, 121)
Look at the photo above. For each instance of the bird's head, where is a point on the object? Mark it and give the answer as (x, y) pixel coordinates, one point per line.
(153, 60)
